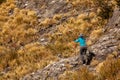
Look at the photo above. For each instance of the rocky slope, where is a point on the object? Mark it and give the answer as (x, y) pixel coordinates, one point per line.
(36, 42)
(53, 70)
(111, 40)
(106, 44)
(45, 8)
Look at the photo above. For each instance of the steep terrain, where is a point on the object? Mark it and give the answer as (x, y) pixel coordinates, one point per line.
(45, 8)
(105, 45)
(36, 39)
(110, 41)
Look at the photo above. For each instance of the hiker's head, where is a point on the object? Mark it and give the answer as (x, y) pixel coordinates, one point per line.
(81, 35)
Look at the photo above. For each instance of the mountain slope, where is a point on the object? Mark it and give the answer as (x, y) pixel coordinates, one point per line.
(38, 36)
(105, 45)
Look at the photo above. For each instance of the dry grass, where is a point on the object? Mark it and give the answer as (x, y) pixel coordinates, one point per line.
(81, 74)
(110, 70)
(20, 50)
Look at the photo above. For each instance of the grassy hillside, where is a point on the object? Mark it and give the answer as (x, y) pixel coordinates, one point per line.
(22, 51)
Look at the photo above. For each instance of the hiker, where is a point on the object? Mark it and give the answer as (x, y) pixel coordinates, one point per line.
(83, 48)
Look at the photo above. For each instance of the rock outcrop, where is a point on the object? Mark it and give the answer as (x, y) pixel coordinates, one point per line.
(45, 8)
(109, 42)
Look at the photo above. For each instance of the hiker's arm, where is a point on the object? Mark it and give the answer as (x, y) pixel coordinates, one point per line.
(77, 40)
(74, 44)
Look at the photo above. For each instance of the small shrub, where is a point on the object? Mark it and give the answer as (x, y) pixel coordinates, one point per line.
(69, 75)
(2, 1)
(110, 69)
(118, 2)
(84, 74)
(96, 34)
(105, 8)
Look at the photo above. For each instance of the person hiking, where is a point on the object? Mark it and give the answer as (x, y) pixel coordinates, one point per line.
(83, 48)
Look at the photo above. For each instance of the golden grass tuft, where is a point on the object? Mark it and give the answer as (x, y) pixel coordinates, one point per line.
(82, 16)
(92, 14)
(57, 17)
(48, 22)
(94, 20)
(96, 34)
(110, 69)
(69, 75)
(81, 74)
